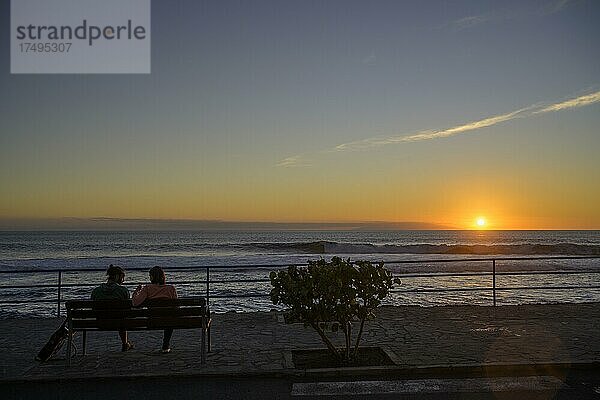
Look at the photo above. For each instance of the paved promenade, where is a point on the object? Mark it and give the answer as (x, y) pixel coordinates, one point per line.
(247, 345)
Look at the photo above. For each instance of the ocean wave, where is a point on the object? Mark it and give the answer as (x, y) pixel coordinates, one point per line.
(325, 247)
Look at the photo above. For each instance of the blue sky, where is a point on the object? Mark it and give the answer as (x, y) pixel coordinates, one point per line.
(238, 88)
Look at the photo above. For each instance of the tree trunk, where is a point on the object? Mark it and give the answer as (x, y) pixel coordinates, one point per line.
(360, 332)
(348, 340)
(327, 342)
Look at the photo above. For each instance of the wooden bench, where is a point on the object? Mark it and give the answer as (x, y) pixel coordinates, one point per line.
(154, 314)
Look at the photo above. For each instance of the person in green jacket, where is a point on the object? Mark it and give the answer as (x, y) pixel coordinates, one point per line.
(113, 290)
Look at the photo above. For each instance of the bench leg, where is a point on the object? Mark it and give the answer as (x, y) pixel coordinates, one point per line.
(203, 347)
(69, 345)
(84, 340)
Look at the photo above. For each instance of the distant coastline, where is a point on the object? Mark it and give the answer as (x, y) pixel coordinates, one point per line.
(140, 224)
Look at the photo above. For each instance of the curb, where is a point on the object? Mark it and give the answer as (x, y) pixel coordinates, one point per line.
(560, 369)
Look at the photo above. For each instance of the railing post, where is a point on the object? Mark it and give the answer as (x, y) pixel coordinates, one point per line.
(58, 299)
(207, 285)
(494, 281)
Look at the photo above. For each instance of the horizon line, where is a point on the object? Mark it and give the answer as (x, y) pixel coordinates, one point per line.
(30, 224)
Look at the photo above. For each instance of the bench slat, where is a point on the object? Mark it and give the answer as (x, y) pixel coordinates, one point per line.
(121, 304)
(172, 322)
(98, 304)
(107, 314)
(138, 323)
(109, 324)
(138, 312)
(180, 302)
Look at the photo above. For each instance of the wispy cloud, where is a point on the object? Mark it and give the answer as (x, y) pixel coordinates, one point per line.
(468, 22)
(294, 161)
(580, 101)
(370, 59)
(517, 11)
(471, 126)
(557, 6)
(572, 103)
(431, 134)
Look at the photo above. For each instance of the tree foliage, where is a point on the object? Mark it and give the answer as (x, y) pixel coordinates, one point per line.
(331, 296)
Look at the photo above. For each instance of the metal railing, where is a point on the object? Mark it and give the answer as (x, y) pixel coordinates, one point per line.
(207, 282)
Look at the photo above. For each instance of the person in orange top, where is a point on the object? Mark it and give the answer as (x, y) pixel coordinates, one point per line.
(157, 289)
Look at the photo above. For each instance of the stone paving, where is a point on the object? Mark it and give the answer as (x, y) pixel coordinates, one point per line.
(260, 343)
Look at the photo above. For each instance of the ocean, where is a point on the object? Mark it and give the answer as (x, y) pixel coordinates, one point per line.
(33, 259)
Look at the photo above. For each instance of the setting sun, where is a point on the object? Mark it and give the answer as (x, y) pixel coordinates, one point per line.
(480, 222)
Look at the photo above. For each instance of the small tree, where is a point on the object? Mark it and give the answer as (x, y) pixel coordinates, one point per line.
(333, 295)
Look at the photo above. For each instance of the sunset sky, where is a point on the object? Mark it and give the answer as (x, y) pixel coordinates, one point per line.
(321, 111)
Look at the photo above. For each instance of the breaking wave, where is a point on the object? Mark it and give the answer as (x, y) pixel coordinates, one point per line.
(325, 247)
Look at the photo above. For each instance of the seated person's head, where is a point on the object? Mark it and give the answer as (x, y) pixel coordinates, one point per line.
(115, 274)
(157, 275)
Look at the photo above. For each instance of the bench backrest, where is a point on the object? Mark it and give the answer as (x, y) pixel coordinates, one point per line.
(187, 312)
